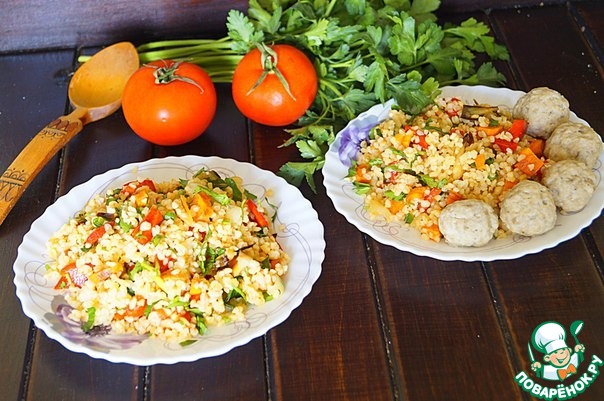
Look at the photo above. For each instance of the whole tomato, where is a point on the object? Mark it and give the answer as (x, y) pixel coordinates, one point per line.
(169, 103)
(274, 85)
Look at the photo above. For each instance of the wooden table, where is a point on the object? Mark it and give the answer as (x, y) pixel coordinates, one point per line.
(380, 324)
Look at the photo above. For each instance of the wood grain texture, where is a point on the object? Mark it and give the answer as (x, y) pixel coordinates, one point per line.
(238, 375)
(589, 19)
(332, 348)
(30, 97)
(443, 327)
(37, 24)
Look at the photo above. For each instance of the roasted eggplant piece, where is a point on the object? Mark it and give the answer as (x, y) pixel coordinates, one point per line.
(472, 112)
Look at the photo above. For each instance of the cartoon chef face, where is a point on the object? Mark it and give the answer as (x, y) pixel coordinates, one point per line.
(550, 339)
(559, 358)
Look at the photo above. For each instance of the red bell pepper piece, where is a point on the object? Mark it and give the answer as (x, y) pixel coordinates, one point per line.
(422, 141)
(434, 192)
(505, 145)
(257, 216)
(96, 235)
(518, 128)
(132, 186)
(153, 217)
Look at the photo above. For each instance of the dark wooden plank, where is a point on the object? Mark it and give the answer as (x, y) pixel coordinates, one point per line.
(237, 375)
(33, 24)
(442, 324)
(331, 347)
(561, 284)
(30, 97)
(591, 15)
(59, 374)
(566, 66)
(461, 6)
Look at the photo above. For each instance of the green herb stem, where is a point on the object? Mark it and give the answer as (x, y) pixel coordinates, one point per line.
(222, 43)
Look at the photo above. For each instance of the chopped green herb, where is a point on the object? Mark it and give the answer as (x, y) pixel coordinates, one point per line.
(223, 199)
(391, 195)
(237, 195)
(235, 292)
(177, 302)
(89, 324)
(157, 239)
(98, 221)
(125, 226)
(361, 188)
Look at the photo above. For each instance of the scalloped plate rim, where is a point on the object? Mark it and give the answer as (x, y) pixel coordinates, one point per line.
(314, 247)
(341, 195)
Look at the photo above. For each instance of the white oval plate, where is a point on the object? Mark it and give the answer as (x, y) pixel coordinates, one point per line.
(402, 237)
(299, 232)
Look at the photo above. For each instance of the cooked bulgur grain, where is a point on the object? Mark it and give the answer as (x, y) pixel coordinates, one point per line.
(411, 167)
(167, 259)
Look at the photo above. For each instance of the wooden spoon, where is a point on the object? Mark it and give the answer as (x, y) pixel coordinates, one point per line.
(95, 91)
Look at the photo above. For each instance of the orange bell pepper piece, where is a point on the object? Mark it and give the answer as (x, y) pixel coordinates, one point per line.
(528, 162)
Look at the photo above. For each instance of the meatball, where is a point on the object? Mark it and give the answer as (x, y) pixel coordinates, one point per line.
(468, 222)
(571, 183)
(574, 141)
(543, 109)
(528, 209)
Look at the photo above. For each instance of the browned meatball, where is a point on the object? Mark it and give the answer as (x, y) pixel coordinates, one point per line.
(543, 109)
(528, 209)
(468, 222)
(571, 182)
(574, 141)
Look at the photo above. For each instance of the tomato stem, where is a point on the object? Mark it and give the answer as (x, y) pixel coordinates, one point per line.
(165, 75)
(269, 60)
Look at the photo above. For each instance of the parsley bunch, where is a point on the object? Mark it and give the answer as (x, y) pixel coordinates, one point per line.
(365, 52)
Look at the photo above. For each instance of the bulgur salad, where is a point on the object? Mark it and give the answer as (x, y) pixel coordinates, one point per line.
(466, 158)
(167, 259)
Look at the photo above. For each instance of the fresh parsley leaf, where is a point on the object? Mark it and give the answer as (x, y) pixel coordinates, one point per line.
(309, 149)
(266, 21)
(295, 172)
(422, 9)
(242, 32)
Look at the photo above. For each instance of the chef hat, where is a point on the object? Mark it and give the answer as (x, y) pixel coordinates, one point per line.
(549, 337)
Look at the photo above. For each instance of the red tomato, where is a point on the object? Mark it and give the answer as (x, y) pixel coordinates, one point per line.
(269, 102)
(173, 109)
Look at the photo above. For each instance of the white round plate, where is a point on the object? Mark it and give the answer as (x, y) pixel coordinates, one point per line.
(402, 237)
(299, 232)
